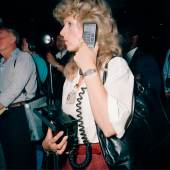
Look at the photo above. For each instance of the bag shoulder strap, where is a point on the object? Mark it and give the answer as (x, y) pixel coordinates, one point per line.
(15, 62)
(24, 90)
(105, 72)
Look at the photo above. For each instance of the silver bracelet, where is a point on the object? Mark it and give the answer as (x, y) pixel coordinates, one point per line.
(89, 72)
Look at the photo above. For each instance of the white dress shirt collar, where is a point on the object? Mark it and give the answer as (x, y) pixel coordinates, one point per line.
(130, 54)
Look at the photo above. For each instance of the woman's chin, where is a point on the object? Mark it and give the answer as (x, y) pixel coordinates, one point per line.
(71, 49)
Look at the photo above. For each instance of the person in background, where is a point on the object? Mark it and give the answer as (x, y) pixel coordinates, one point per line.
(166, 74)
(61, 52)
(166, 78)
(58, 62)
(142, 63)
(29, 45)
(146, 70)
(109, 105)
(18, 85)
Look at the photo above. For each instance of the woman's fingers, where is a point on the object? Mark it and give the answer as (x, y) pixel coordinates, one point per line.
(60, 148)
(50, 141)
(60, 145)
(57, 136)
(96, 47)
(63, 146)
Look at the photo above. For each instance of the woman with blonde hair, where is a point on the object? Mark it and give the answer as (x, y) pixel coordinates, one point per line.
(106, 105)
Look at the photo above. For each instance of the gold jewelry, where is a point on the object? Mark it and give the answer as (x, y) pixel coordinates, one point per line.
(71, 97)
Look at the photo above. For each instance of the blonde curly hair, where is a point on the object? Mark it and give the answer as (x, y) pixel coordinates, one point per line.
(96, 11)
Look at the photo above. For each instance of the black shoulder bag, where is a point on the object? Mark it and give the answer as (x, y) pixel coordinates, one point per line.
(118, 152)
(147, 132)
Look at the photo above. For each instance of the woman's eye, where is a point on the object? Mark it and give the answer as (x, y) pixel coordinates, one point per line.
(69, 24)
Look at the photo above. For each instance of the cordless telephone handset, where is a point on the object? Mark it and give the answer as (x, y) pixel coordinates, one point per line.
(89, 34)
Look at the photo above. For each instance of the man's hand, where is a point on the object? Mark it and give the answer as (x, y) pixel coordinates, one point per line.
(51, 59)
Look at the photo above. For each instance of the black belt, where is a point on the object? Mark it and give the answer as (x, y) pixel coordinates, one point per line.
(18, 104)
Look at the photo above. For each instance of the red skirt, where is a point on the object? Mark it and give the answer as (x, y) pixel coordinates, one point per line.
(96, 163)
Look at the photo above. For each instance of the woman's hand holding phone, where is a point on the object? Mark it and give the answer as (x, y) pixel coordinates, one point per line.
(86, 55)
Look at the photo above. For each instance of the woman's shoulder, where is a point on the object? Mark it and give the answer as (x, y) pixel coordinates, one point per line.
(118, 62)
(118, 67)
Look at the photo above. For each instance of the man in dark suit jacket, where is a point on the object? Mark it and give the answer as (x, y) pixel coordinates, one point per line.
(145, 69)
(143, 65)
(58, 62)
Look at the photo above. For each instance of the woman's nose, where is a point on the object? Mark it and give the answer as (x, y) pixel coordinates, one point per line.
(62, 32)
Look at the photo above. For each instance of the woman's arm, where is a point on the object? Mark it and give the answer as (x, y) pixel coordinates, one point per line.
(98, 101)
(111, 104)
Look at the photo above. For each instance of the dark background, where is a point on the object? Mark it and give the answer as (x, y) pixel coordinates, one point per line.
(39, 12)
(150, 16)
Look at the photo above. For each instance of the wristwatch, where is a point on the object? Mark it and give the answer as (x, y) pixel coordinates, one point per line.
(89, 72)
